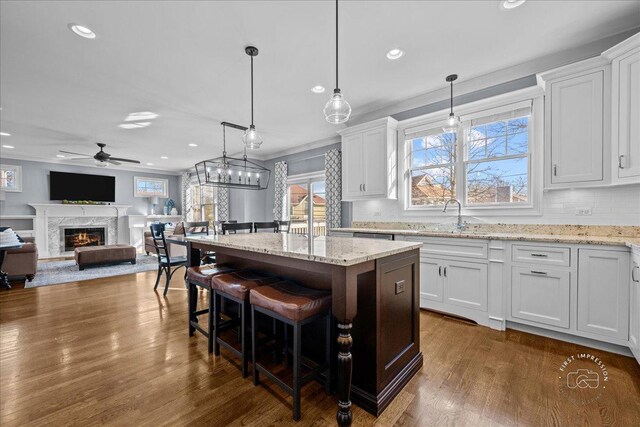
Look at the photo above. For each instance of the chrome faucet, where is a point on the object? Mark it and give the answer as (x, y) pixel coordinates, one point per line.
(460, 225)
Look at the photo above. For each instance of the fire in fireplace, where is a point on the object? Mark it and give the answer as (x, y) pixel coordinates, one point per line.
(85, 236)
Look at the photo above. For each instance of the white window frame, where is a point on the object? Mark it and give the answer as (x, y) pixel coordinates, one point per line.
(193, 181)
(165, 187)
(304, 179)
(474, 110)
(17, 169)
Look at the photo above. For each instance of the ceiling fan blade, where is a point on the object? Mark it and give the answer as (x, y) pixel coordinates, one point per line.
(81, 158)
(77, 154)
(124, 160)
(113, 162)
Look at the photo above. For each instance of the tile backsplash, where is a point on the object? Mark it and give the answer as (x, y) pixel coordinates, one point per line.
(599, 206)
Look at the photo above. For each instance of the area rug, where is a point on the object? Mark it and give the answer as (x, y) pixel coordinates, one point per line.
(57, 272)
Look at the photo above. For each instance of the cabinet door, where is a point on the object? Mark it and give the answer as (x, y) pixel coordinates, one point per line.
(628, 117)
(352, 166)
(577, 129)
(465, 284)
(431, 279)
(541, 295)
(603, 292)
(634, 313)
(374, 151)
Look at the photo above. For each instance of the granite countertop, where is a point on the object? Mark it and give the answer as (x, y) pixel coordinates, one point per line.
(628, 241)
(328, 250)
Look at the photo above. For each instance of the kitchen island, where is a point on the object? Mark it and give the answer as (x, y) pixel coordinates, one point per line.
(375, 301)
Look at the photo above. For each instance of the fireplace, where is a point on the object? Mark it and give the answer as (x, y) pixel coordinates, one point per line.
(74, 237)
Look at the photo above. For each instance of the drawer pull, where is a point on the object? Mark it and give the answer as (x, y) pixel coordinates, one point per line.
(633, 274)
(439, 270)
(538, 272)
(540, 255)
(445, 272)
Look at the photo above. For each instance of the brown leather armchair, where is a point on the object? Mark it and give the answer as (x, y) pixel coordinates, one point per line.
(22, 262)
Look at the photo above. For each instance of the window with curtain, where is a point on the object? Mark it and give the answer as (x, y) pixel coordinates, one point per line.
(485, 163)
(203, 203)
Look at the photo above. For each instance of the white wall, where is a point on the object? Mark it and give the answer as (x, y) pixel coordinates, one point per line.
(610, 206)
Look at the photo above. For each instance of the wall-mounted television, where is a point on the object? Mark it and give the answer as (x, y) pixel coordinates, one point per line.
(80, 186)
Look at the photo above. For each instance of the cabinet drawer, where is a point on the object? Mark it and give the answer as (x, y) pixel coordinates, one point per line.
(454, 247)
(541, 295)
(541, 255)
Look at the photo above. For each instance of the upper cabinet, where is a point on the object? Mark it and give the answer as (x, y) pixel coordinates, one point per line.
(592, 120)
(625, 110)
(369, 159)
(576, 100)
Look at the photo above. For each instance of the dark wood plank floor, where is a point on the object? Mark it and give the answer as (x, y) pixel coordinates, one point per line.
(112, 351)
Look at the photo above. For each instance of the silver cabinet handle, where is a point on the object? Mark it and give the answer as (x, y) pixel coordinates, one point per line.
(555, 170)
(620, 158)
(439, 270)
(364, 187)
(539, 272)
(360, 187)
(540, 255)
(633, 273)
(445, 272)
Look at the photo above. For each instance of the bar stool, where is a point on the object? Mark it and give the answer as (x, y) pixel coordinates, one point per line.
(200, 277)
(296, 306)
(235, 287)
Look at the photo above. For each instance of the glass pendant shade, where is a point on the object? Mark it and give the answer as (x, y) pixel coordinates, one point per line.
(101, 164)
(453, 124)
(251, 138)
(337, 110)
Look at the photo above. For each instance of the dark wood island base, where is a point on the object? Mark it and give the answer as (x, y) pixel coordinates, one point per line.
(376, 307)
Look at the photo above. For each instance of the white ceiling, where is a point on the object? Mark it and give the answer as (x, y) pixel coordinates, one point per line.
(186, 62)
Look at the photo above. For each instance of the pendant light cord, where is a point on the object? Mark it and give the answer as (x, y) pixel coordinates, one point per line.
(251, 90)
(337, 86)
(451, 97)
(224, 140)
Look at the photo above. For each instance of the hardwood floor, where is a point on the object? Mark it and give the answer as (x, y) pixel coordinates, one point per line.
(113, 351)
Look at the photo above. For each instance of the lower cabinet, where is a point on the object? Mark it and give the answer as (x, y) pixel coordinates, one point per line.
(603, 292)
(634, 313)
(456, 283)
(541, 295)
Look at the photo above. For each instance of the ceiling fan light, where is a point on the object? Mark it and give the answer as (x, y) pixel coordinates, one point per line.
(337, 110)
(101, 164)
(251, 138)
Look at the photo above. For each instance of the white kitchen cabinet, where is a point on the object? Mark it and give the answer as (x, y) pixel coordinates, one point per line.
(625, 110)
(540, 294)
(603, 292)
(576, 128)
(369, 160)
(634, 308)
(431, 279)
(465, 284)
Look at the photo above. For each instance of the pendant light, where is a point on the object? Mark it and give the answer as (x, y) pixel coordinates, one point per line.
(251, 138)
(453, 122)
(337, 110)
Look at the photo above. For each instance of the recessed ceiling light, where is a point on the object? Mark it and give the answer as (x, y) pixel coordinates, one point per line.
(134, 125)
(8, 146)
(511, 4)
(149, 164)
(5, 134)
(317, 89)
(60, 155)
(141, 115)
(164, 157)
(395, 53)
(82, 31)
(193, 145)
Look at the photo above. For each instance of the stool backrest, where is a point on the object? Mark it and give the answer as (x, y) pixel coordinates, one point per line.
(228, 228)
(159, 242)
(271, 226)
(196, 228)
(283, 226)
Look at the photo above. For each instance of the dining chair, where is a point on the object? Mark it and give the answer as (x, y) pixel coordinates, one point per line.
(270, 226)
(228, 228)
(196, 228)
(283, 226)
(217, 225)
(166, 263)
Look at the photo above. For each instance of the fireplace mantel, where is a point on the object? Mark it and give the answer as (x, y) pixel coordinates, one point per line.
(49, 216)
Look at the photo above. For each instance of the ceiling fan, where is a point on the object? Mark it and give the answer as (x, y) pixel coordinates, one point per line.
(102, 158)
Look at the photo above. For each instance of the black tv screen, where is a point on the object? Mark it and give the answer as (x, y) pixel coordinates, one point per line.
(79, 186)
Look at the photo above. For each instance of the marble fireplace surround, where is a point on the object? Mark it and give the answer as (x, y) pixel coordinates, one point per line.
(51, 218)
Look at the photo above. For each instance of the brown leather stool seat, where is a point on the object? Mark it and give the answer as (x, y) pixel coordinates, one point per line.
(203, 274)
(295, 306)
(292, 301)
(200, 276)
(235, 287)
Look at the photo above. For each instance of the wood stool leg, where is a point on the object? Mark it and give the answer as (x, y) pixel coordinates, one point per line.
(211, 322)
(254, 349)
(243, 339)
(297, 353)
(216, 322)
(193, 303)
(328, 384)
